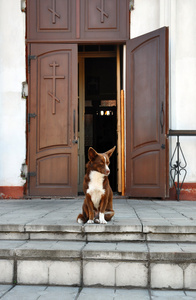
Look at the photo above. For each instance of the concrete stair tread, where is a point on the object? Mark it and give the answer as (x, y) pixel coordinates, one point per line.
(148, 244)
(134, 220)
(44, 249)
(95, 250)
(121, 264)
(140, 251)
(147, 227)
(53, 292)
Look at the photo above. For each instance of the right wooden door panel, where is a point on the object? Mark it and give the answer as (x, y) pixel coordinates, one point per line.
(147, 110)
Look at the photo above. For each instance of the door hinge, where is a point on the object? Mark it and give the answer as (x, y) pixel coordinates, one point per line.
(29, 118)
(30, 57)
(30, 174)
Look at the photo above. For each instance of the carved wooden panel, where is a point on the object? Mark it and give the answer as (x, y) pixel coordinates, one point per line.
(104, 19)
(53, 15)
(147, 115)
(102, 14)
(50, 19)
(145, 94)
(148, 175)
(47, 165)
(77, 20)
(53, 99)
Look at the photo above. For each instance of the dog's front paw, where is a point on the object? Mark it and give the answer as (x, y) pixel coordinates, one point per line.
(103, 222)
(102, 219)
(90, 221)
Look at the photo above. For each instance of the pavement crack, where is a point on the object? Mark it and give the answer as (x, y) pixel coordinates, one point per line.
(1, 296)
(175, 210)
(137, 215)
(79, 292)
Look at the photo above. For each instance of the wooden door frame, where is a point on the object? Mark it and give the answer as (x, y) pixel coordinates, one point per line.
(83, 55)
(81, 112)
(74, 34)
(81, 58)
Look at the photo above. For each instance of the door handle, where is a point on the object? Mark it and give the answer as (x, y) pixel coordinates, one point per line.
(75, 140)
(162, 117)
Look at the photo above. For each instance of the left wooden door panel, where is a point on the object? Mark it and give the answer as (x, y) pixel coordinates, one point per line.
(51, 20)
(53, 99)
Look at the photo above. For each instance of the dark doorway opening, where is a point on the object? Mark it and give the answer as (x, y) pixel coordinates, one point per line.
(100, 109)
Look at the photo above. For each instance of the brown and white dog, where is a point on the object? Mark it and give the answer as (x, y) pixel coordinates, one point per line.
(98, 205)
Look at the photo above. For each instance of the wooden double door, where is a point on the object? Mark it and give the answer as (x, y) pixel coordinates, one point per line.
(53, 117)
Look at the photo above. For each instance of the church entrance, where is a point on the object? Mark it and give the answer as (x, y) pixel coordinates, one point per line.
(97, 107)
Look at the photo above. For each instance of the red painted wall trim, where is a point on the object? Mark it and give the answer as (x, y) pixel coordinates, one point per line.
(188, 192)
(11, 192)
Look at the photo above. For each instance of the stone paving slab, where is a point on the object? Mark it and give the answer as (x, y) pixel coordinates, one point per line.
(172, 251)
(123, 226)
(127, 212)
(116, 251)
(43, 249)
(115, 236)
(9, 292)
(173, 295)
(38, 292)
(98, 251)
(134, 220)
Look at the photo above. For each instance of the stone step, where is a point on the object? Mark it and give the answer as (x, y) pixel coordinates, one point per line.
(117, 264)
(134, 220)
(19, 292)
(100, 233)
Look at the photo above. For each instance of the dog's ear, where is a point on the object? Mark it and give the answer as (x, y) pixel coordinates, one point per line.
(92, 154)
(110, 152)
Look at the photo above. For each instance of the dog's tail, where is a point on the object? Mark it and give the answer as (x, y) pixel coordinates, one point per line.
(81, 219)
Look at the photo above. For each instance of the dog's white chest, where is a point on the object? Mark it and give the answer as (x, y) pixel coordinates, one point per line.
(95, 187)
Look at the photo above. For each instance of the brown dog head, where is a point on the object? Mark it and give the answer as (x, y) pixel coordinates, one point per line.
(100, 161)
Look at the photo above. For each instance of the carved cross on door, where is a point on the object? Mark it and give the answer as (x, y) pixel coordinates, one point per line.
(54, 13)
(103, 13)
(53, 94)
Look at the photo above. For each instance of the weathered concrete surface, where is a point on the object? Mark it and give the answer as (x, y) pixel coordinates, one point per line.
(148, 244)
(9, 292)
